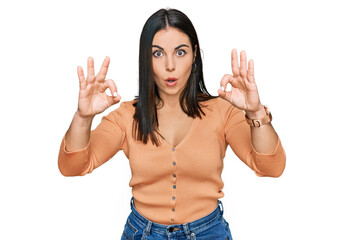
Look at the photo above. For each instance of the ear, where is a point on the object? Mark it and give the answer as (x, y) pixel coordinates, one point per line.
(195, 54)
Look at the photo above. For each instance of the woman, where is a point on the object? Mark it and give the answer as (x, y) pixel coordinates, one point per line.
(174, 133)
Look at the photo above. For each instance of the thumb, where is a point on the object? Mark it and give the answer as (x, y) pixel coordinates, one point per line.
(114, 99)
(223, 94)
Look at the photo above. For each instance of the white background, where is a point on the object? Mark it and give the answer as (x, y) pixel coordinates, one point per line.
(307, 67)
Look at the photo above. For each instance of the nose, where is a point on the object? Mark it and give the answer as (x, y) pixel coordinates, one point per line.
(170, 64)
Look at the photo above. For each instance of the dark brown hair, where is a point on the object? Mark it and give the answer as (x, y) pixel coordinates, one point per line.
(145, 118)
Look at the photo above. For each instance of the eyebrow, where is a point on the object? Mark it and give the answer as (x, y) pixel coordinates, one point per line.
(182, 45)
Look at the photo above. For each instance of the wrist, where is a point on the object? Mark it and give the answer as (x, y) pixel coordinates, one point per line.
(83, 120)
(258, 119)
(258, 114)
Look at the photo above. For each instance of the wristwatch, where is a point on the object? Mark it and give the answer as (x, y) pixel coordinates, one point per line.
(258, 122)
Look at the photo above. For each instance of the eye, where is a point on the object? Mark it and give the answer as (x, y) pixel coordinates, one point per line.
(180, 52)
(157, 53)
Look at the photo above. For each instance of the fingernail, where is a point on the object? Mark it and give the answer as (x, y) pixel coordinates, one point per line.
(222, 88)
(115, 94)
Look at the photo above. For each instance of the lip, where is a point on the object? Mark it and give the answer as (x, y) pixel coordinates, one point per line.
(171, 84)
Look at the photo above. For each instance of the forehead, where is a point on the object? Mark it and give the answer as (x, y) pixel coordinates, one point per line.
(171, 37)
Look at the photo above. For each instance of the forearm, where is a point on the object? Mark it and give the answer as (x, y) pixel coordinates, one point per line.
(78, 135)
(264, 138)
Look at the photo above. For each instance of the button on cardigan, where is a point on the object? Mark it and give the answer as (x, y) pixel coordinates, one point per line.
(175, 184)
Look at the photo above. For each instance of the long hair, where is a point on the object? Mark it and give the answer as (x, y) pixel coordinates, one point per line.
(145, 122)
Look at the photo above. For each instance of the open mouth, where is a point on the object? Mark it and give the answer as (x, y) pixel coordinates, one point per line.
(171, 81)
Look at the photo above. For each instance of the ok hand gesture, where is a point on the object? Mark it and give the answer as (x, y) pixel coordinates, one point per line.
(244, 93)
(92, 97)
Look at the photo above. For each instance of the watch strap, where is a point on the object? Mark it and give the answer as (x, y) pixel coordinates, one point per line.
(259, 122)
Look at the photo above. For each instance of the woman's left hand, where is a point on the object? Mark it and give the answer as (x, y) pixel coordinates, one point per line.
(244, 93)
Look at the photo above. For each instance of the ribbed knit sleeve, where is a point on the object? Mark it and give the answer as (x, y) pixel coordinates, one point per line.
(105, 141)
(238, 136)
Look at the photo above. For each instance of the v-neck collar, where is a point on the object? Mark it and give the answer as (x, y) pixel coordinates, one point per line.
(184, 138)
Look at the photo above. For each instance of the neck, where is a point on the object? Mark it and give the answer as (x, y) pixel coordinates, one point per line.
(171, 102)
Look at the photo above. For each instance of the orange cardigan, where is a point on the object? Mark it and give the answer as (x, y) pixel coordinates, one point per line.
(175, 184)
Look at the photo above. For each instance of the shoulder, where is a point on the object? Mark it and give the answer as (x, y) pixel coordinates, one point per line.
(209, 103)
(223, 103)
(219, 104)
(128, 105)
(124, 111)
(228, 111)
(217, 101)
(224, 106)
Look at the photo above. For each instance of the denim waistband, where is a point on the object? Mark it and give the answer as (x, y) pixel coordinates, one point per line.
(187, 227)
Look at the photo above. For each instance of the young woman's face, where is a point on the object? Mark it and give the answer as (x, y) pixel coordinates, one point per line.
(172, 60)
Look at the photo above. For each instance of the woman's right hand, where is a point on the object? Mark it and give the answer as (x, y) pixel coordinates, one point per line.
(92, 96)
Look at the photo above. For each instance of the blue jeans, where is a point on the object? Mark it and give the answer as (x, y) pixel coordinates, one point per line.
(212, 226)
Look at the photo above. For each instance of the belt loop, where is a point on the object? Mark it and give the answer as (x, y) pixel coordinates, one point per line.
(186, 229)
(148, 228)
(222, 207)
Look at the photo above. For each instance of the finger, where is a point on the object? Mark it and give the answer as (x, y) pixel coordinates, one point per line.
(234, 62)
(109, 83)
(104, 69)
(82, 83)
(227, 78)
(113, 100)
(243, 72)
(224, 95)
(235, 82)
(90, 70)
(251, 78)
